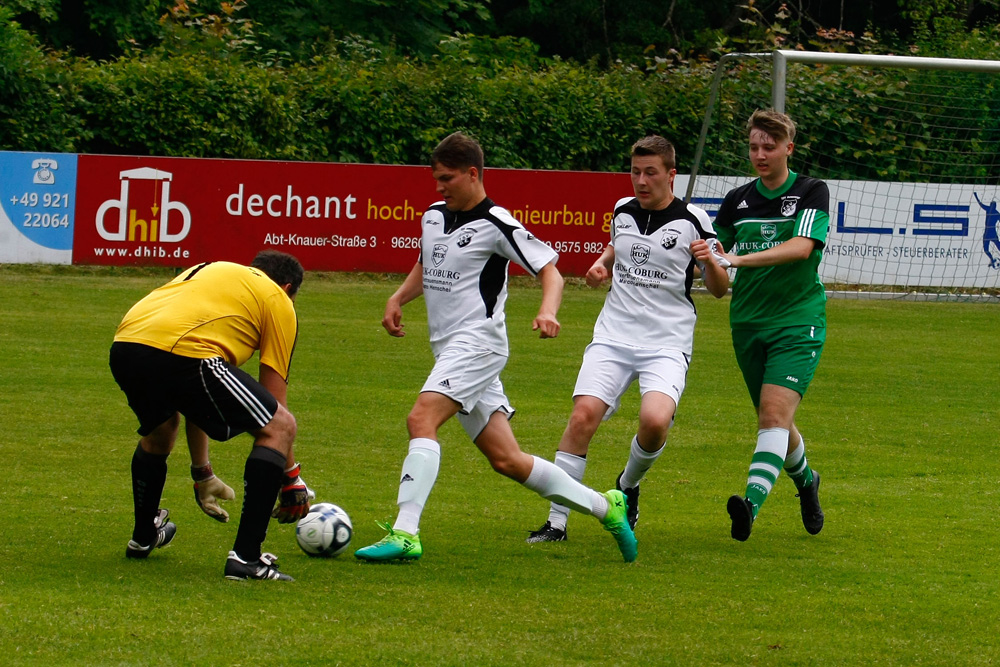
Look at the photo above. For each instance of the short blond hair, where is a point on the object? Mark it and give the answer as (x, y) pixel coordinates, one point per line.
(778, 125)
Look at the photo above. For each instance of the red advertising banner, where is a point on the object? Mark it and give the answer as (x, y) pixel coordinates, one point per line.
(333, 217)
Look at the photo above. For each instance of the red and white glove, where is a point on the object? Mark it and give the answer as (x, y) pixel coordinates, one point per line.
(293, 501)
(209, 490)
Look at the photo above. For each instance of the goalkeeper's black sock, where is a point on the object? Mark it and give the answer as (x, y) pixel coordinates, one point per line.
(149, 472)
(262, 475)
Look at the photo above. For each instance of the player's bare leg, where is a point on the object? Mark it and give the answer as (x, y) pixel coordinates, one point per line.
(656, 414)
(498, 444)
(571, 456)
(420, 470)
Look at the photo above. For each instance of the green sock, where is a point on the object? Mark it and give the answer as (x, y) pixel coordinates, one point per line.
(798, 468)
(768, 457)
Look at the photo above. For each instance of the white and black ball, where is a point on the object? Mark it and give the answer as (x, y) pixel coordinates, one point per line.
(325, 531)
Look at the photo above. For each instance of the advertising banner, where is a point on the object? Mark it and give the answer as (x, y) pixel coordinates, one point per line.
(127, 210)
(912, 234)
(333, 217)
(37, 202)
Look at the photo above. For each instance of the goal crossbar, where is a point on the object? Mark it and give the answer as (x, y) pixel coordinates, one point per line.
(781, 58)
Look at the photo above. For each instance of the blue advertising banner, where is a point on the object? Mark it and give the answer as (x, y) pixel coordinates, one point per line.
(37, 204)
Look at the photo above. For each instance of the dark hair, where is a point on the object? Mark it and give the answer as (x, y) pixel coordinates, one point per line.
(280, 267)
(779, 125)
(654, 144)
(458, 151)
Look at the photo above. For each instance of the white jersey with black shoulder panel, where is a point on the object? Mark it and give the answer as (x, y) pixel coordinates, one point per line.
(649, 304)
(465, 257)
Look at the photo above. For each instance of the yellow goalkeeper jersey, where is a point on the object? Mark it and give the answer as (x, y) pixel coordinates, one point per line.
(217, 309)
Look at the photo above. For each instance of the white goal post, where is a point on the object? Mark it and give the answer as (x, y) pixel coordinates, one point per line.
(910, 148)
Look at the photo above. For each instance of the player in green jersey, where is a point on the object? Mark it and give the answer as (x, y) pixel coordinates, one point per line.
(774, 229)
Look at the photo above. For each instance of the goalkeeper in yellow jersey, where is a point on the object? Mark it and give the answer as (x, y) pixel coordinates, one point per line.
(177, 352)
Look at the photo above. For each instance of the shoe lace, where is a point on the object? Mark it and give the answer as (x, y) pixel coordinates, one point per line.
(384, 525)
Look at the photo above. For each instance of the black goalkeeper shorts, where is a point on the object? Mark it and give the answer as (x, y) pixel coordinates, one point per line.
(218, 397)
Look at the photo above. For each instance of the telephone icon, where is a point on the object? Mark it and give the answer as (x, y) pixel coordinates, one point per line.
(43, 171)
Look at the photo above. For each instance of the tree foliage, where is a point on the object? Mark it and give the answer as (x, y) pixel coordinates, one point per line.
(382, 81)
(579, 30)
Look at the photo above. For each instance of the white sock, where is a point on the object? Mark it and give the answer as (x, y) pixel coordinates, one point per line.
(768, 457)
(553, 483)
(639, 461)
(420, 470)
(574, 466)
(796, 462)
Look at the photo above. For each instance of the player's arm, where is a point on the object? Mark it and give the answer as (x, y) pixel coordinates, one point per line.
(716, 277)
(412, 287)
(601, 269)
(552, 287)
(197, 444)
(795, 249)
(208, 489)
(275, 383)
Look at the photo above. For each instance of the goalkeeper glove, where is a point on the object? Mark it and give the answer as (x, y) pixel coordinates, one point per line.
(293, 501)
(209, 490)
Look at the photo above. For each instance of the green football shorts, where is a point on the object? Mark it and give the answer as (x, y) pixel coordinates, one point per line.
(786, 357)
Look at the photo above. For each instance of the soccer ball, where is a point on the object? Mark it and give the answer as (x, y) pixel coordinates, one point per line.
(325, 531)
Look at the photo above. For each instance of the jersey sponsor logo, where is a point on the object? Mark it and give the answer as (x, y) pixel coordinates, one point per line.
(768, 231)
(465, 238)
(640, 253)
(622, 224)
(789, 205)
(743, 204)
(621, 271)
(669, 238)
(438, 255)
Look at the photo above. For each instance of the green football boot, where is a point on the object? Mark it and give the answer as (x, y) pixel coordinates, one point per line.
(397, 545)
(616, 523)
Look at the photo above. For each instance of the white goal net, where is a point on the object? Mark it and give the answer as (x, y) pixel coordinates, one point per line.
(910, 148)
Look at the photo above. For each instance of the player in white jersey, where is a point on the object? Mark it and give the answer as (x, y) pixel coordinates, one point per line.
(467, 243)
(646, 329)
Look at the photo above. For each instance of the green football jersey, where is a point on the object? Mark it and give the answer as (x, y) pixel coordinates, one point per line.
(753, 218)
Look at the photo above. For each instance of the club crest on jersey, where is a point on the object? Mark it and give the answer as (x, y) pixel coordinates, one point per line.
(768, 230)
(669, 238)
(788, 205)
(440, 250)
(465, 238)
(640, 253)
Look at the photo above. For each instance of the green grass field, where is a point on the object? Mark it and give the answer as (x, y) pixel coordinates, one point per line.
(901, 421)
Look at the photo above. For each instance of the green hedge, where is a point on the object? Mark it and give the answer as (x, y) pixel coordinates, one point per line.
(339, 108)
(367, 106)
(37, 110)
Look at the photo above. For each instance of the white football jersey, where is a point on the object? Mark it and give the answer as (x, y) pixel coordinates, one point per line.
(465, 257)
(649, 304)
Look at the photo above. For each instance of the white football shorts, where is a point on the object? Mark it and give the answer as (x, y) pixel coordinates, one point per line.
(609, 369)
(470, 376)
